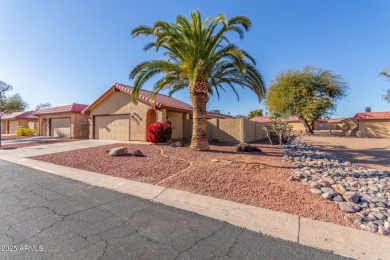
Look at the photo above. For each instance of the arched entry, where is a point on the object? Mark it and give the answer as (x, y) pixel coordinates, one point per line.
(150, 119)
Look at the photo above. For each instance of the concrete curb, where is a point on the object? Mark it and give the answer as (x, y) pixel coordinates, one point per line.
(341, 240)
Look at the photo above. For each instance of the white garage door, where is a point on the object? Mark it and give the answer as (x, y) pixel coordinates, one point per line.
(60, 127)
(13, 127)
(114, 127)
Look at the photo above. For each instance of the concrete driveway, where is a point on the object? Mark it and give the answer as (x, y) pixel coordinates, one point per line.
(43, 216)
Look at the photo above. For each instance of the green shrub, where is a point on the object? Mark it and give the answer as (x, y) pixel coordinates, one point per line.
(25, 131)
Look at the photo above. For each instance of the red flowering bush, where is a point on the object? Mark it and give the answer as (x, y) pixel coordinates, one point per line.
(159, 132)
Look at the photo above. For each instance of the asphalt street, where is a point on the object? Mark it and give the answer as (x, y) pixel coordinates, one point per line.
(44, 216)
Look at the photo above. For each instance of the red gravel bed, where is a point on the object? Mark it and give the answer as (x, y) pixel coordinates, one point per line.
(260, 180)
(35, 143)
(152, 168)
(254, 179)
(371, 152)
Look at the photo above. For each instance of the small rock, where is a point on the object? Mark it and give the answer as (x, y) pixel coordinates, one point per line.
(315, 191)
(378, 215)
(338, 198)
(324, 183)
(329, 180)
(351, 197)
(349, 207)
(214, 160)
(331, 191)
(386, 224)
(138, 153)
(326, 195)
(177, 144)
(383, 231)
(244, 147)
(315, 185)
(339, 188)
(118, 151)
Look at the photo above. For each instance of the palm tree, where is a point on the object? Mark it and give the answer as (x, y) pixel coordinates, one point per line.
(200, 58)
(386, 73)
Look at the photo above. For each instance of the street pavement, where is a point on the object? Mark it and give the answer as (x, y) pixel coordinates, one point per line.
(44, 216)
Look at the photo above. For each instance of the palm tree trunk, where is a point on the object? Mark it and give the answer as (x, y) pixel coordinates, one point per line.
(199, 140)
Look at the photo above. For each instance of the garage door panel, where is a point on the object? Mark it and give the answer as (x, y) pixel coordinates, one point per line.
(115, 127)
(13, 127)
(60, 127)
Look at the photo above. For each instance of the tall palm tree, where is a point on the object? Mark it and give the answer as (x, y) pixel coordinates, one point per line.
(200, 58)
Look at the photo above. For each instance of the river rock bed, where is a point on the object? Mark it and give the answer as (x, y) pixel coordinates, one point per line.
(363, 193)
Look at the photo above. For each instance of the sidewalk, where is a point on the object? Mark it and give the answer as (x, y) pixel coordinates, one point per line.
(338, 239)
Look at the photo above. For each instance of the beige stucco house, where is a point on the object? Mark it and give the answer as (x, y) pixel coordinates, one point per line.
(298, 127)
(11, 122)
(115, 116)
(63, 121)
(373, 124)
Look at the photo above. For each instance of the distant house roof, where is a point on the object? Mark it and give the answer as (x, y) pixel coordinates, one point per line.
(267, 119)
(75, 108)
(216, 115)
(20, 115)
(159, 100)
(261, 119)
(333, 120)
(372, 115)
(240, 116)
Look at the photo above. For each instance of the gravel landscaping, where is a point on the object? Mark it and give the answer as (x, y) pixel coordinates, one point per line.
(371, 152)
(258, 179)
(151, 168)
(363, 193)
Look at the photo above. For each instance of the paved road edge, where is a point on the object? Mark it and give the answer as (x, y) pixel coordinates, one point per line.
(327, 236)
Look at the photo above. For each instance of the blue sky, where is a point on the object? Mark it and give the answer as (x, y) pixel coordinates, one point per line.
(71, 51)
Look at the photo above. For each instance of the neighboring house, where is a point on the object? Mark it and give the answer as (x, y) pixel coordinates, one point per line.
(296, 124)
(373, 124)
(63, 121)
(322, 124)
(329, 124)
(114, 116)
(11, 122)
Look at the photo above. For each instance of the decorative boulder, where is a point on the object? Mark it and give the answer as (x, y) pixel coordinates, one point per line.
(118, 151)
(349, 207)
(351, 197)
(138, 153)
(247, 148)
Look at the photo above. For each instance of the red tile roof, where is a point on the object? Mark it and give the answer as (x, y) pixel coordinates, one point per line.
(267, 119)
(217, 115)
(372, 115)
(20, 115)
(261, 119)
(159, 101)
(75, 108)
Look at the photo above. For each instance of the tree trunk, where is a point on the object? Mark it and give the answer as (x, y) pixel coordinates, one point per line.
(199, 140)
(308, 129)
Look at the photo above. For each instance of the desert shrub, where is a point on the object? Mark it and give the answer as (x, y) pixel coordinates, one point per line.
(279, 129)
(159, 132)
(25, 131)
